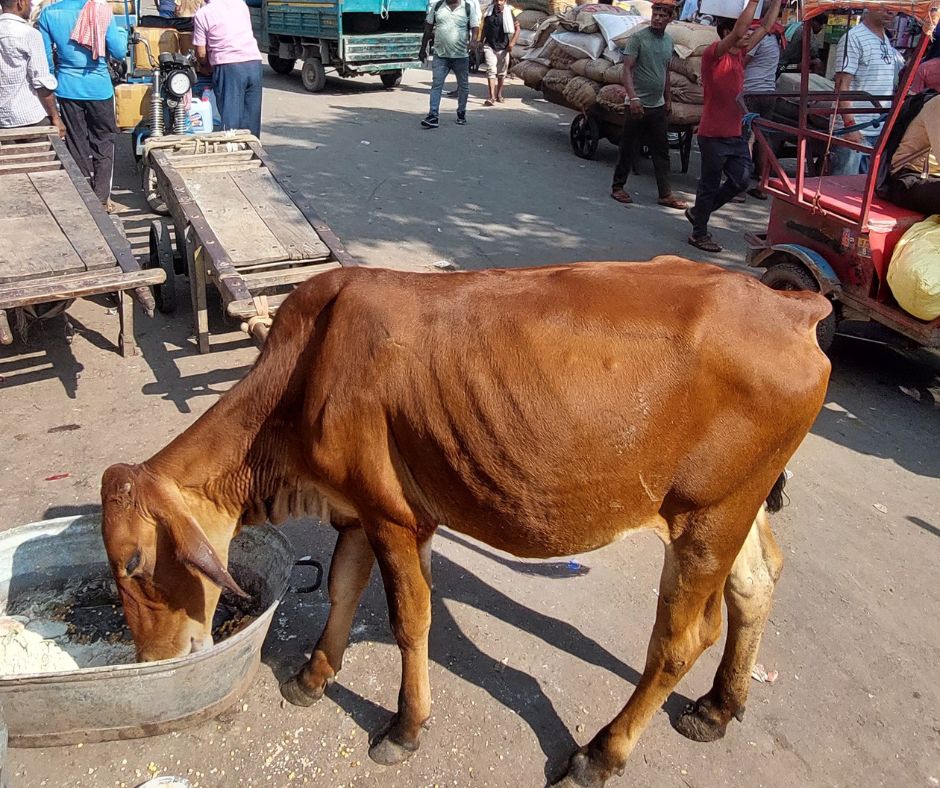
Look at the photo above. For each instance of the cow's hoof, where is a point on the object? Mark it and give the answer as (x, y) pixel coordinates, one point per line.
(700, 723)
(297, 694)
(582, 773)
(389, 753)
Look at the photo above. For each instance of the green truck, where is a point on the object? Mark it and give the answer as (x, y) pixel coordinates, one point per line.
(351, 37)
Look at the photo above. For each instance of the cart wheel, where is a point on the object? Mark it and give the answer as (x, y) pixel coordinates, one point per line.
(282, 65)
(313, 75)
(152, 191)
(161, 256)
(390, 79)
(584, 136)
(794, 276)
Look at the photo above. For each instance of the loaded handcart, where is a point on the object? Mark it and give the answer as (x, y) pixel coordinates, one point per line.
(58, 242)
(589, 127)
(232, 224)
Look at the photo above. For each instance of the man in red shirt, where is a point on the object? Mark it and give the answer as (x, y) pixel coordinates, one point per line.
(723, 148)
(927, 76)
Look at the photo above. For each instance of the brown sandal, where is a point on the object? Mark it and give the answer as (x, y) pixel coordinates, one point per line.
(621, 196)
(706, 243)
(673, 202)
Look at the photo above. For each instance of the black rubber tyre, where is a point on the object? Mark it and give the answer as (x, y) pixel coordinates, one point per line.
(390, 79)
(795, 276)
(281, 65)
(585, 136)
(161, 256)
(313, 75)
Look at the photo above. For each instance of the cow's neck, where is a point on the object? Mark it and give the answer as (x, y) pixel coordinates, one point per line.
(240, 456)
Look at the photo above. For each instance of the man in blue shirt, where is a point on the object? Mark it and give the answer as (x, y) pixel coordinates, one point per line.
(85, 93)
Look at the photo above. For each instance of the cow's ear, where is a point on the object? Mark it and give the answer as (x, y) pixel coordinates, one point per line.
(192, 548)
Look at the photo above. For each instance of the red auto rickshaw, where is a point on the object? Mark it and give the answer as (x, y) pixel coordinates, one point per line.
(834, 234)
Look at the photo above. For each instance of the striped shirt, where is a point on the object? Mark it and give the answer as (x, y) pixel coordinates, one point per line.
(873, 64)
(24, 70)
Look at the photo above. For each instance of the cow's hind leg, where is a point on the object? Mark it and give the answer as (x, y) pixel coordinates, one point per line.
(349, 575)
(748, 594)
(688, 620)
(404, 559)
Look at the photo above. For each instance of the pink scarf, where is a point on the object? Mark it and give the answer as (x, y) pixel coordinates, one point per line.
(91, 29)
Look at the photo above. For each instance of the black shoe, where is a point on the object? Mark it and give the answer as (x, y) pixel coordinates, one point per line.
(430, 122)
(461, 118)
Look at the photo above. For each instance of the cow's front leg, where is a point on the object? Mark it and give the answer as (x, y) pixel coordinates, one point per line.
(349, 575)
(408, 591)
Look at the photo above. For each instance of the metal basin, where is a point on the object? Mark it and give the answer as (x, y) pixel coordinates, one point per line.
(130, 701)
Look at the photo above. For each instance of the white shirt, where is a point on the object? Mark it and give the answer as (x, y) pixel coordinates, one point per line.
(873, 64)
(23, 71)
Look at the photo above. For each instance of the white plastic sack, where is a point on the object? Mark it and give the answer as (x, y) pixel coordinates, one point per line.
(526, 38)
(580, 44)
(612, 26)
(613, 55)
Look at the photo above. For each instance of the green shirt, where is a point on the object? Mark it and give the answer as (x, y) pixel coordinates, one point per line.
(451, 27)
(653, 53)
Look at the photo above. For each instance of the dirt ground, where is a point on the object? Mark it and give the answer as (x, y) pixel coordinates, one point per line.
(529, 659)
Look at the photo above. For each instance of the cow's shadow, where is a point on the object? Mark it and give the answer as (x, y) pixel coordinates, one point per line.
(454, 650)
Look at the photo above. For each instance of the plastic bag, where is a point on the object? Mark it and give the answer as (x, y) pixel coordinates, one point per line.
(914, 272)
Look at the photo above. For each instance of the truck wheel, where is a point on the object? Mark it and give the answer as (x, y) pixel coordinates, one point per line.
(313, 75)
(390, 79)
(161, 256)
(794, 276)
(282, 65)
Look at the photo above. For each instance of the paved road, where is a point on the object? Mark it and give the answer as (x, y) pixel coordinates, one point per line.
(527, 658)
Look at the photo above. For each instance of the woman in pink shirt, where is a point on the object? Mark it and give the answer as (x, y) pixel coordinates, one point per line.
(223, 40)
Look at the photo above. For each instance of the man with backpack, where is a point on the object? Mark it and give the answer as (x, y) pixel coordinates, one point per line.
(913, 176)
(452, 26)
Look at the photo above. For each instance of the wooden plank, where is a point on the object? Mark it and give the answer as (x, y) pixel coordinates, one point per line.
(33, 244)
(18, 169)
(222, 157)
(56, 288)
(30, 132)
(66, 206)
(115, 238)
(289, 276)
(339, 252)
(19, 158)
(232, 217)
(238, 166)
(281, 216)
(16, 148)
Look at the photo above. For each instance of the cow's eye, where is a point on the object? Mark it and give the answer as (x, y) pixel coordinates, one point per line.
(131, 566)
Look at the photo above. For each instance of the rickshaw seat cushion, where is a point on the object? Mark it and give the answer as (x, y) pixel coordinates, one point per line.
(842, 194)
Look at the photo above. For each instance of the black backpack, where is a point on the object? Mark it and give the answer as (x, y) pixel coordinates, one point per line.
(910, 109)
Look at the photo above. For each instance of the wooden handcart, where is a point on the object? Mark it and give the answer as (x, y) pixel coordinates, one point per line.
(589, 128)
(234, 225)
(57, 242)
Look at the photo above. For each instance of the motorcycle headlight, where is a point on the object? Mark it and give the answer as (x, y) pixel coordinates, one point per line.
(179, 84)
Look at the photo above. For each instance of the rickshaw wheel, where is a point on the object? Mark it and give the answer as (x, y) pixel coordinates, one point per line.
(585, 135)
(390, 79)
(794, 276)
(161, 256)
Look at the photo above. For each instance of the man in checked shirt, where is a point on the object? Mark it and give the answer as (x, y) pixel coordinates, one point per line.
(26, 85)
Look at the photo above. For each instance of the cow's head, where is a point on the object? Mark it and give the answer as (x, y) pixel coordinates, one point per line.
(169, 569)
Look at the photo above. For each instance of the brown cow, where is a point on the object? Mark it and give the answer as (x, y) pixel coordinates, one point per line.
(545, 412)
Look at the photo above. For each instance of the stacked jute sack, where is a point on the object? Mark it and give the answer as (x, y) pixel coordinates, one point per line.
(574, 57)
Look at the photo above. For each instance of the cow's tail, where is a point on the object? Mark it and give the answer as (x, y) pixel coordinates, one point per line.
(777, 496)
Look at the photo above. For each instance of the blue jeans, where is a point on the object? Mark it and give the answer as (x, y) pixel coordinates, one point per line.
(441, 67)
(846, 161)
(728, 156)
(237, 88)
